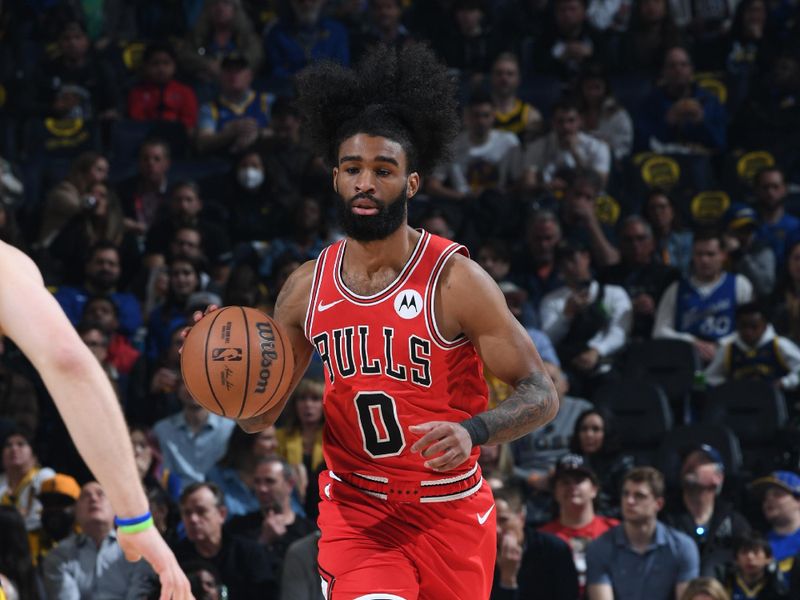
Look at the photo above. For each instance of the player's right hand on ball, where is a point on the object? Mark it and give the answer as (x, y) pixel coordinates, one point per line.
(196, 316)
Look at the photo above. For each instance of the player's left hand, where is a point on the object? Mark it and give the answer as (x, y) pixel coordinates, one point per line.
(149, 544)
(448, 442)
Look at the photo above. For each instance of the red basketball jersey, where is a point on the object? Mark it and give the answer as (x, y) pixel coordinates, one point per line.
(388, 367)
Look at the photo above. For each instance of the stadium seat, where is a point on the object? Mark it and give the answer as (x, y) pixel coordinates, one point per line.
(642, 413)
(670, 364)
(755, 411)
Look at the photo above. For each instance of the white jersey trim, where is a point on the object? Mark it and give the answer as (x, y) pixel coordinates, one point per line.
(456, 479)
(430, 300)
(451, 497)
(316, 282)
(377, 298)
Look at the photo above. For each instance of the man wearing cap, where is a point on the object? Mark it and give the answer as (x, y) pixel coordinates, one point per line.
(58, 496)
(749, 255)
(642, 557)
(703, 515)
(575, 487)
(780, 503)
(239, 116)
(756, 353)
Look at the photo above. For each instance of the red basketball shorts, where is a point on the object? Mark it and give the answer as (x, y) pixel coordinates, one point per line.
(374, 549)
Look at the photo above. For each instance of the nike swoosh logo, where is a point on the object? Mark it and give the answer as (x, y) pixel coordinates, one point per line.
(482, 518)
(323, 307)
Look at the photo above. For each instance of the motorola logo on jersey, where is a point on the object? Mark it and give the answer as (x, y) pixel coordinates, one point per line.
(408, 304)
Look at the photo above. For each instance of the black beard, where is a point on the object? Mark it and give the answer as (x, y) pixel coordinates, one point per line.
(369, 228)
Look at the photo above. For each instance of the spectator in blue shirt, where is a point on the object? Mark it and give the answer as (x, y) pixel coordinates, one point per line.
(776, 226)
(303, 38)
(641, 558)
(193, 440)
(678, 115)
(780, 503)
(102, 274)
(239, 116)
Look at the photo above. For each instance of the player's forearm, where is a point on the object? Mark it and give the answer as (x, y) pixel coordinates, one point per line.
(91, 412)
(533, 403)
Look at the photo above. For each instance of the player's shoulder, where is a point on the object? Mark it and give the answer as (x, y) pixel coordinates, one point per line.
(463, 278)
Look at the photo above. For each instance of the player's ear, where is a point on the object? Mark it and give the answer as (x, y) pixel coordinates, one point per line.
(412, 184)
(335, 182)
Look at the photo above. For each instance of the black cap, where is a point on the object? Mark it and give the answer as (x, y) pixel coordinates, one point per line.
(574, 464)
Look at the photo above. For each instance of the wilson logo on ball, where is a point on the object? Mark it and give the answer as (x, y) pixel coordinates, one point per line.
(226, 354)
(268, 354)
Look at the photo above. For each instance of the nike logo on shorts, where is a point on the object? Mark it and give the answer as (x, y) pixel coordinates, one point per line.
(482, 517)
(323, 307)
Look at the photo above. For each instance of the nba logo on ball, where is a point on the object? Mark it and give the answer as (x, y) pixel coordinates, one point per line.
(408, 304)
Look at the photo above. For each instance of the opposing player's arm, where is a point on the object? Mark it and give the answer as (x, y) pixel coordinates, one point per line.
(290, 312)
(479, 310)
(32, 318)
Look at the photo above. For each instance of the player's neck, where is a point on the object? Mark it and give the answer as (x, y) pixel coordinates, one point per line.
(364, 259)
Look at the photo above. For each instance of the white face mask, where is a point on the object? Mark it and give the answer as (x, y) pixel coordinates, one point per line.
(250, 177)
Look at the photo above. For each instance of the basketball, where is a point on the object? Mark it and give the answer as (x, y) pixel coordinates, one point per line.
(237, 362)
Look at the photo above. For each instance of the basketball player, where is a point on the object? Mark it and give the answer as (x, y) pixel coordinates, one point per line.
(402, 320)
(32, 318)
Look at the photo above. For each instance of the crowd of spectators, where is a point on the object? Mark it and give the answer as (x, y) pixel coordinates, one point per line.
(628, 172)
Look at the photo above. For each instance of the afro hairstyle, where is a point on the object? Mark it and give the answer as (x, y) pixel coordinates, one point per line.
(405, 95)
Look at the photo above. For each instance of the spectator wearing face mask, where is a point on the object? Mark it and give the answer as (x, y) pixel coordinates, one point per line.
(255, 213)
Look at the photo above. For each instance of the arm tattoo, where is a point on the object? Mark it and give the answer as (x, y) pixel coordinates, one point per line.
(533, 403)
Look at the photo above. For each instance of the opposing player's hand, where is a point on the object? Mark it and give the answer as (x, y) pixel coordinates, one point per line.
(149, 544)
(449, 444)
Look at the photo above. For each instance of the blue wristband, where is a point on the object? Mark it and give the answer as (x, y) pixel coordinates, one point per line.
(132, 521)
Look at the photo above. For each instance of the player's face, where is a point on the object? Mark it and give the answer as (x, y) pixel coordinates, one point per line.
(93, 506)
(639, 504)
(374, 186)
(591, 433)
(17, 454)
(574, 490)
(202, 517)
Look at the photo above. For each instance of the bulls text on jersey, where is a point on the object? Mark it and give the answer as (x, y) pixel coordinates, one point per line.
(364, 351)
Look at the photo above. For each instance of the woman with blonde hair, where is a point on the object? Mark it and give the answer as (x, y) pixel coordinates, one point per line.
(300, 439)
(704, 588)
